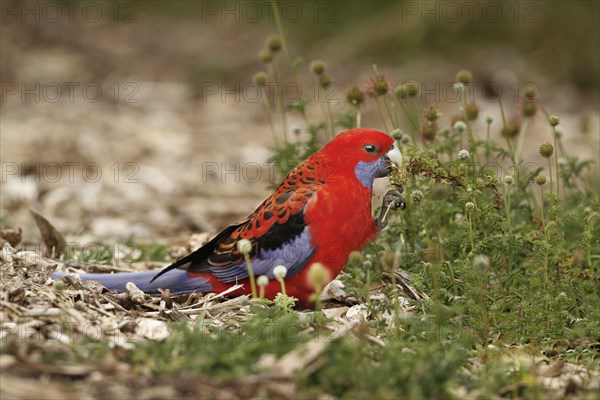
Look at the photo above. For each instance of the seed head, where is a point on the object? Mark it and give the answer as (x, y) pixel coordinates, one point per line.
(274, 43)
(262, 281)
(318, 276)
(244, 246)
(472, 111)
(540, 180)
(529, 108)
(405, 138)
(469, 206)
(481, 262)
(409, 89)
(510, 131)
(355, 258)
(554, 120)
(378, 86)
(430, 113)
(509, 180)
(428, 131)
(464, 154)
(317, 67)
(260, 78)
(546, 150)
(280, 272)
(529, 91)
(463, 76)
(460, 126)
(412, 88)
(417, 196)
(489, 120)
(355, 96)
(325, 81)
(266, 56)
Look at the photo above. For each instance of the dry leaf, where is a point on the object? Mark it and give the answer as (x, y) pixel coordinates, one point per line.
(53, 240)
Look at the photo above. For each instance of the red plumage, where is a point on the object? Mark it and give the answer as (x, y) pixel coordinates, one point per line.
(337, 211)
(319, 213)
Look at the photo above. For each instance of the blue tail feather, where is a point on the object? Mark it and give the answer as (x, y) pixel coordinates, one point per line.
(177, 281)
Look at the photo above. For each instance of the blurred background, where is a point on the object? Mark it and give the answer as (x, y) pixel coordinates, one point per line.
(138, 117)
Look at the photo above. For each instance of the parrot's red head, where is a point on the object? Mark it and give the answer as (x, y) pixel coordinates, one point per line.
(366, 152)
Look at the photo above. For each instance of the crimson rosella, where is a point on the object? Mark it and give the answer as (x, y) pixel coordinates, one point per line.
(319, 213)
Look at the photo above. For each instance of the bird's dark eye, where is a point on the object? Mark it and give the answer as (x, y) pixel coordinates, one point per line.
(371, 148)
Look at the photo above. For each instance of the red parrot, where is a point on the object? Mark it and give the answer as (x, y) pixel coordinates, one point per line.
(319, 213)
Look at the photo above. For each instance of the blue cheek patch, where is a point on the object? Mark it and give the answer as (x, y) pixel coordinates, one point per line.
(366, 172)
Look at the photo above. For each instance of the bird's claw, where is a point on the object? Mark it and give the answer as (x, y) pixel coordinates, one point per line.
(392, 200)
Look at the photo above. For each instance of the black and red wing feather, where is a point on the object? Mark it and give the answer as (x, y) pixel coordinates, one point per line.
(277, 221)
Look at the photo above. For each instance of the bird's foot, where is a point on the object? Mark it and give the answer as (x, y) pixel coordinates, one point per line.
(392, 200)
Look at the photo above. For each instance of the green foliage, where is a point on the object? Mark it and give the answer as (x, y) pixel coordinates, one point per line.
(230, 352)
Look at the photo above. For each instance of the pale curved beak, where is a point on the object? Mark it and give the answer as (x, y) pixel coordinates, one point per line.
(395, 156)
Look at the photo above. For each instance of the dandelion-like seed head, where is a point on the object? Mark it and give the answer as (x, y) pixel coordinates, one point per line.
(412, 88)
(280, 272)
(529, 91)
(430, 113)
(260, 78)
(318, 275)
(481, 262)
(355, 258)
(274, 43)
(460, 126)
(463, 76)
(317, 67)
(429, 131)
(464, 154)
(546, 150)
(378, 86)
(540, 180)
(262, 281)
(325, 81)
(469, 206)
(355, 96)
(266, 56)
(529, 108)
(511, 130)
(244, 246)
(417, 196)
(554, 120)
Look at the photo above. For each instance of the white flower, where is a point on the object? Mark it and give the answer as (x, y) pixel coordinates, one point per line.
(469, 206)
(463, 154)
(460, 126)
(280, 272)
(244, 246)
(262, 281)
(481, 262)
